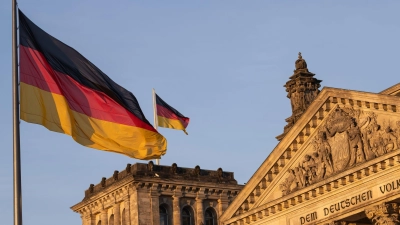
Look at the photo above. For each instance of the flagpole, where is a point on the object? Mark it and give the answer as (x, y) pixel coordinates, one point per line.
(16, 141)
(155, 118)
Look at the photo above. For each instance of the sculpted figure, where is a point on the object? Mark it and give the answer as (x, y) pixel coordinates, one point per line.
(364, 121)
(197, 171)
(375, 140)
(128, 168)
(115, 175)
(174, 168)
(295, 101)
(220, 173)
(310, 170)
(294, 182)
(356, 145)
(356, 137)
(320, 166)
(397, 132)
(389, 140)
(150, 166)
(325, 151)
(300, 176)
(286, 186)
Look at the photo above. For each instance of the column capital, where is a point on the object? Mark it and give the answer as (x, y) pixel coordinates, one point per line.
(177, 196)
(384, 213)
(126, 197)
(154, 192)
(200, 198)
(223, 200)
(104, 211)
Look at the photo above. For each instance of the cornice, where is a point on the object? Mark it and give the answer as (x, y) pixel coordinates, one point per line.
(393, 90)
(264, 178)
(330, 186)
(120, 190)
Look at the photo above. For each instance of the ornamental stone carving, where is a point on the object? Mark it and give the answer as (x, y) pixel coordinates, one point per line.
(115, 175)
(128, 168)
(174, 168)
(300, 64)
(340, 223)
(348, 138)
(150, 166)
(302, 89)
(103, 181)
(384, 214)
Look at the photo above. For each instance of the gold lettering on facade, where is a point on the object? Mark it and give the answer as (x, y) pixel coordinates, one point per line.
(341, 205)
(308, 218)
(394, 185)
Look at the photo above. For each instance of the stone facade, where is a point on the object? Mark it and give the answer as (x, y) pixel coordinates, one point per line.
(339, 163)
(148, 194)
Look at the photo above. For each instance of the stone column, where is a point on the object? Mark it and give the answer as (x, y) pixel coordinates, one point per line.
(176, 210)
(155, 205)
(83, 218)
(117, 214)
(104, 217)
(91, 219)
(384, 213)
(127, 210)
(223, 202)
(199, 209)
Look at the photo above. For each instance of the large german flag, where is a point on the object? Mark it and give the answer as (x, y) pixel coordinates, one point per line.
(169, 117)
(63, 91)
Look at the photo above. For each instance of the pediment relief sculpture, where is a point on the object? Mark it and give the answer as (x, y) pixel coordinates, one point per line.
(348, 138)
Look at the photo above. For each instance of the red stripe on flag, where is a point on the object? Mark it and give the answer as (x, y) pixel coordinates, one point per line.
(164, 112)
(35, 71)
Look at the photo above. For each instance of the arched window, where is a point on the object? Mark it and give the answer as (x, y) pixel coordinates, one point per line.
(163, 215)
(210, 217)
(187, 216)
(111, 220)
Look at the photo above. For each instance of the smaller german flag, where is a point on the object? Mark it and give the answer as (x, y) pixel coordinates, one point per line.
(169, 117)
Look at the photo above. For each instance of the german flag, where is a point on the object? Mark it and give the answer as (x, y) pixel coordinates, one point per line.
(63, 91)
(169, 117)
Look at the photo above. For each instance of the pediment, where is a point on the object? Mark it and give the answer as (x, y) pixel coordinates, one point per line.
(393, 90)
(341, 130)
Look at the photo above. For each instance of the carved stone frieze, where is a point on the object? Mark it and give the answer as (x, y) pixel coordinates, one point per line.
(340, 223)
(384, 214)
(348, 137)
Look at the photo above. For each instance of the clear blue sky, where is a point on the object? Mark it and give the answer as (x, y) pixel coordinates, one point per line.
(221, 63)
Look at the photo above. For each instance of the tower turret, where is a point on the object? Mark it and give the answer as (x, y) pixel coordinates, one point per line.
(302, 89)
